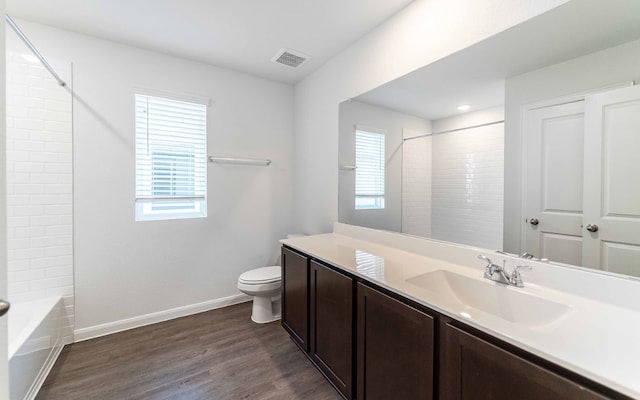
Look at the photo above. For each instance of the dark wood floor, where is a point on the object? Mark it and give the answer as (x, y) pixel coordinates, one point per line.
(217, 355)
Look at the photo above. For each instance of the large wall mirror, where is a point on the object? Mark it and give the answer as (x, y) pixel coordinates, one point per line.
(527, 142)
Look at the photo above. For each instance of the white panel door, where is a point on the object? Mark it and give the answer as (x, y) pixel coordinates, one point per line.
(612, 181)
(554, 179)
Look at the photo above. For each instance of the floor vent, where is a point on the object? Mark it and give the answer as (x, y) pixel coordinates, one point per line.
(290, 58)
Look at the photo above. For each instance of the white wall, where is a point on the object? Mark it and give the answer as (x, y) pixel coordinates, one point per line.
(39, 181)
(470, 118)
(423, 32)
(354, 113)
(126, 272)
(594, 71)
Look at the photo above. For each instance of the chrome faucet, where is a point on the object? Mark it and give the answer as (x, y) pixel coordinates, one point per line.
(493, 271)
(498, 273)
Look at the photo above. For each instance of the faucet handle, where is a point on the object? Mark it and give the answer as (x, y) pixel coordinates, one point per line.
(488, 269)
(485, 258)
(516, 276)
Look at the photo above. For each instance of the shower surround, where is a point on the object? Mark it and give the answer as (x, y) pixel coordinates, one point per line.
(39, 183)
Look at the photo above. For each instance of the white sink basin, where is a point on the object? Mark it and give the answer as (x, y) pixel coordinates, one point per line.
(492, 298)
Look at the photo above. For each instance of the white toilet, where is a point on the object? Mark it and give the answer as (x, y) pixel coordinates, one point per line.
(264, 285)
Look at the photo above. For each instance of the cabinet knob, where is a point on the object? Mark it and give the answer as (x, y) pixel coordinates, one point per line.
(534, 221)
(592, 228)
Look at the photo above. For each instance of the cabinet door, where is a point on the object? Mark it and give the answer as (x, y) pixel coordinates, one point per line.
(295, 299)
(472, 368)
(395, 349)
(332, 326)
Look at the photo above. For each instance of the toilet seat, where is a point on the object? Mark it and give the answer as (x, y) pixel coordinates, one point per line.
(260, 276)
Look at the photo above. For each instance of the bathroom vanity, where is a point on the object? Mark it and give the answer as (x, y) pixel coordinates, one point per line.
(387, 316)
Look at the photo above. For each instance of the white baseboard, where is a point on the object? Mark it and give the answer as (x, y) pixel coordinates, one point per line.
(160, 316)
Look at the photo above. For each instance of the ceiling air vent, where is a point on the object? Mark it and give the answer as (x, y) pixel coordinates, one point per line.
(290, 58)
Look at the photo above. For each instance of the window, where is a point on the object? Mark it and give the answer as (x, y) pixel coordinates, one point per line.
(171, 168)
(370, 170)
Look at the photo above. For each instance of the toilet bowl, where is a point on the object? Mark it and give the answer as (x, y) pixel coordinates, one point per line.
(264, 285)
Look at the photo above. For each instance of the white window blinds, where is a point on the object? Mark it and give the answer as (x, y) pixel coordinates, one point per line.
(370, 162)
(171, 169)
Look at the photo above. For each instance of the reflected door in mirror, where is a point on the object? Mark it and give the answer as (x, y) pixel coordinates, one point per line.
(554, 140)
(582, 182)
(612, 181)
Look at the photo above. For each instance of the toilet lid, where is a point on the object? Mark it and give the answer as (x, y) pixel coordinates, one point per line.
(261, 275)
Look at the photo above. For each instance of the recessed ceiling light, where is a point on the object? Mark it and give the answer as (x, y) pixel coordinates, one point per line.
(464, 107)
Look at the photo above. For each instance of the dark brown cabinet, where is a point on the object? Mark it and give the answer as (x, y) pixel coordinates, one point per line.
(395, 349)
(472, 368)
(331, 324)
(373, 344)
(295, 297)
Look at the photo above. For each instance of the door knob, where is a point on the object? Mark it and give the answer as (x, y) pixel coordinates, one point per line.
(4, 307)
(592, 228)
(534, 221)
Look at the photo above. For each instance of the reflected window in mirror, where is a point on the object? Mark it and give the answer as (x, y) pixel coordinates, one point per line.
(370, 169)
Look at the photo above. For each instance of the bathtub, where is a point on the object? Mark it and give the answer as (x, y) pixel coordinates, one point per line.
(35, 341)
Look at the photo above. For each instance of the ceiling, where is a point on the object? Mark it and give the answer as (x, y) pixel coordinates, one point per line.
(239, 34)
(476, 75)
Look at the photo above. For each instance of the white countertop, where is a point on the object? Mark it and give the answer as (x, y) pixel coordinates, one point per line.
(596, 338)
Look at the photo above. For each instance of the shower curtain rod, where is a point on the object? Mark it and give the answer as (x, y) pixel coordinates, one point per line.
(453, 130)
(35, 51)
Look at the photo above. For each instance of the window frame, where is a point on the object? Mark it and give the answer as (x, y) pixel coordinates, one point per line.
(376, 199)
(153, 147)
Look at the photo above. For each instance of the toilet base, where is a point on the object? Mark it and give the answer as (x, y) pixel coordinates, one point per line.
(265, 309)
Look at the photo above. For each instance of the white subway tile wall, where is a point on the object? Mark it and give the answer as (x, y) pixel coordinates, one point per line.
(39, 187)
(467, 191)
(452, 187)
